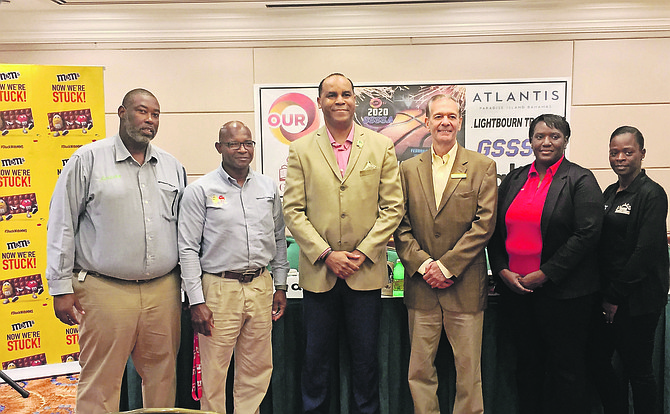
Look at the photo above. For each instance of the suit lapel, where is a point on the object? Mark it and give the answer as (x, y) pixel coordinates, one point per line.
(460, 167)
(425, 171)
(514, 188)
(557, 184)
(323, 142)
(357, 144)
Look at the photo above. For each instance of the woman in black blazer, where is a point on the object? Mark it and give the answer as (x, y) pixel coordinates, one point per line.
(543, 255)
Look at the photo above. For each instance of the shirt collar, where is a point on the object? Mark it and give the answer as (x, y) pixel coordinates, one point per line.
(227, 178)
(451, 154)
(347, 143)
(122, 152)
(637, 182)
(551, 170)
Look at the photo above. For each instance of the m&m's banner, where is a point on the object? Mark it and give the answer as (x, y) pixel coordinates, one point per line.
(46, 113)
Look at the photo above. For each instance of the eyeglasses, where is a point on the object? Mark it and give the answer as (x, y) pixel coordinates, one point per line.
(249, 145)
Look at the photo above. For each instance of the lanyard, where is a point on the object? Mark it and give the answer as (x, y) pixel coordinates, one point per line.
(196, 382)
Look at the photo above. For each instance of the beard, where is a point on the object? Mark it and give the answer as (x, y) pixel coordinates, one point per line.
(139, 136)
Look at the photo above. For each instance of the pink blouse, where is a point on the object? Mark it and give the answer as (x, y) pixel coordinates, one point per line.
(523, 221)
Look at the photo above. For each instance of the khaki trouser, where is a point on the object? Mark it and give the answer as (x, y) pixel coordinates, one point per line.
(127, 318)
(243, 323)
(464, 331)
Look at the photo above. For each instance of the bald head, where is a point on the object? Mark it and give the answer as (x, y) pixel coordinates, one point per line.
(130, 96)
(232, 128)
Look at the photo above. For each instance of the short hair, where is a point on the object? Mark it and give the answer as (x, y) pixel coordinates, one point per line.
(437, 98)
(131, 95)
(226, 129)
(330, 76)
(553, 121)
(629, 130)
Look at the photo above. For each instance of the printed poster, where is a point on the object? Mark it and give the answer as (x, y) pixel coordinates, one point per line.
(46, 113)
(496, 117)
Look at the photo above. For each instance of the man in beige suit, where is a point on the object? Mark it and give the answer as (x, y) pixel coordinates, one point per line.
(450, 202)
(342, 202)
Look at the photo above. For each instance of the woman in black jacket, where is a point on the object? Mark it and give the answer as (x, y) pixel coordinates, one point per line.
(634, 276)
(544, 252)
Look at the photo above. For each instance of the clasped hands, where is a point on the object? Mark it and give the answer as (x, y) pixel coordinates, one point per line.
(344, 263)
(435, 278)
(523, 284)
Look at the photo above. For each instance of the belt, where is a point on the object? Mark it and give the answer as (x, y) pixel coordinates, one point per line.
(244, 277)
(92, 273)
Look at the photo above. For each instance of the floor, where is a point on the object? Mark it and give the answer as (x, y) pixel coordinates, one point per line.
(55, 395)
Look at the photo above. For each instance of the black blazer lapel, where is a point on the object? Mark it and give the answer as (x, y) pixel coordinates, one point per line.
(557, 183)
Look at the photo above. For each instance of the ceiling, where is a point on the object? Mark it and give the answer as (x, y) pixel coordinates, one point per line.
(37, 5)
(44, 24)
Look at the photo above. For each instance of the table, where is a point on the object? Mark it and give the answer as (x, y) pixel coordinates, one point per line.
(288, 348)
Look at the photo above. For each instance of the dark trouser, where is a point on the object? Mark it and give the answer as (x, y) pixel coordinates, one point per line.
(361, 313)
(550, 338)
(633, 339)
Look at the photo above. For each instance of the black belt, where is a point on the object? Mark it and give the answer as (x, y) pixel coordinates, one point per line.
(244, 277)
(92, 273)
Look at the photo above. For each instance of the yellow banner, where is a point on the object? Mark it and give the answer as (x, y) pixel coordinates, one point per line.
(46, 113)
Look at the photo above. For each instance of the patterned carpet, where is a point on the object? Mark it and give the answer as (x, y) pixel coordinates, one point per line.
(54, 395)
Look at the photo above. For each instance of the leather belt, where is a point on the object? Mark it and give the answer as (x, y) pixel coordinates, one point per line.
(244, 277)
(92, 273)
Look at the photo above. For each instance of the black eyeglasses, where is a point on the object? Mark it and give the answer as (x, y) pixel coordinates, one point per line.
(237, 145)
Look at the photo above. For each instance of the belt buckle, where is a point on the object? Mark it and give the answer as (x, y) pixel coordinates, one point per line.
(247, 276)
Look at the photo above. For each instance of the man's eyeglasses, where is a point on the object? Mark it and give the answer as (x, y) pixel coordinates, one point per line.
(237, 145)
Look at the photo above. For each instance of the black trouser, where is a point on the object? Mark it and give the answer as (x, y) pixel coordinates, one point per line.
(633, 339)
(360, 311)
(550, 338)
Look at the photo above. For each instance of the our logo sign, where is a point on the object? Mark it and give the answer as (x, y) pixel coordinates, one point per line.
(292, 116)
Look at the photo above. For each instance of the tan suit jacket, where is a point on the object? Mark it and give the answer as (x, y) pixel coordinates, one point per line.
(455, 232)
(358, 211)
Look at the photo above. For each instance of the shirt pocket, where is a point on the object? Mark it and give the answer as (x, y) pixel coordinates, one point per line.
(168, 194)
(266, 213)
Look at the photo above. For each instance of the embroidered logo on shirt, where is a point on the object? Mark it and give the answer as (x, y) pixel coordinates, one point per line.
(216, 199)
(623, 209)
(110, 177)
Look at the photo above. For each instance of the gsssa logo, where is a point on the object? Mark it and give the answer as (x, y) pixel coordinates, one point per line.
(501, 147)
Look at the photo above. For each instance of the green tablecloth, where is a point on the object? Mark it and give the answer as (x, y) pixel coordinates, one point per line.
(288, 347)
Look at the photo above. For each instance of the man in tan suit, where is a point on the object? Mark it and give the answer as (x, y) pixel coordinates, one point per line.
(450, 202)
(342, 202)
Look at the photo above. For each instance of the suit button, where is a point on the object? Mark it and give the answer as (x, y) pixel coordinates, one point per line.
(437, 235)
(343, 215)
(343, 187)
(339, 242)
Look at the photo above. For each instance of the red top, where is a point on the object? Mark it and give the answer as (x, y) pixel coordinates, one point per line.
(523, 221)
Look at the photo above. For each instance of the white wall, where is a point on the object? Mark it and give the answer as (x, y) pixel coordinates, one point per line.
(202, 61)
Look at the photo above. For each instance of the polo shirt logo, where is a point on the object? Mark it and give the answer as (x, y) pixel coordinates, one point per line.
(217, 199)
(623, 209)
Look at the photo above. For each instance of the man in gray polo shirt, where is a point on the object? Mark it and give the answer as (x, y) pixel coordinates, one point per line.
(112, 258)
(231, 227)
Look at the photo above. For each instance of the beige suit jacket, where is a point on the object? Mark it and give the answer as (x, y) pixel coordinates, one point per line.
(455, 232)
(358, 211)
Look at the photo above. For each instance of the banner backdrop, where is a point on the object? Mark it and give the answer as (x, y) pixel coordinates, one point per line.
(496, 117)
(46, 112)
